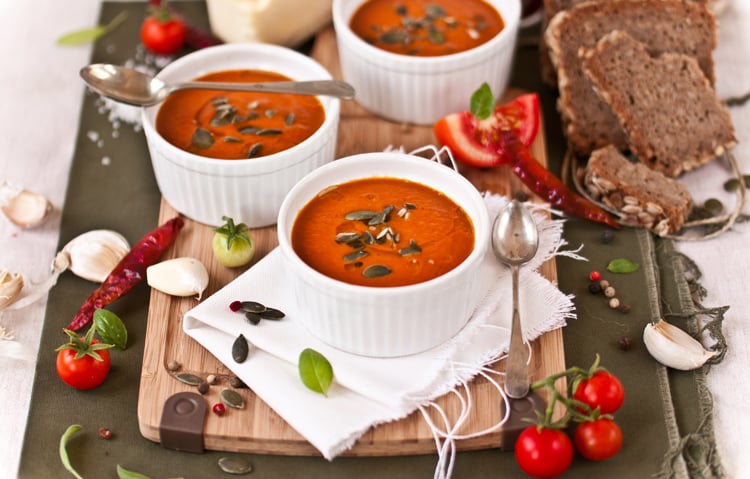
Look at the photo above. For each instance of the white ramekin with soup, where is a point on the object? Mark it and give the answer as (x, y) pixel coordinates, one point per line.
(220, 153)
(384, 252)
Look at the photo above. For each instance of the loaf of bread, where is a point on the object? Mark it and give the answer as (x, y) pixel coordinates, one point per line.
(672, 118)
(661, 25)
(644, 197)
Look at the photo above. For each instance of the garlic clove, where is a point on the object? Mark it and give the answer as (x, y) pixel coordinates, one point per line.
(11, 285)
(23, 207)
(673, 347)
(178, 277)
(94, 254)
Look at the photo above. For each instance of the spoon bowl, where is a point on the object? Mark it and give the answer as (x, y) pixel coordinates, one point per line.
(515, 240)
(137, 88)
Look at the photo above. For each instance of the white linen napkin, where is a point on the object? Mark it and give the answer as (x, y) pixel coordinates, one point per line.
(369, 391)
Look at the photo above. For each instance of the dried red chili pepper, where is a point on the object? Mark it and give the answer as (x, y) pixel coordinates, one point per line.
(546, 185)
(129, 271)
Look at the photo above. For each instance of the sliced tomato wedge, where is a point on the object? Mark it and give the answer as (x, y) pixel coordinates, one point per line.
(475, 141)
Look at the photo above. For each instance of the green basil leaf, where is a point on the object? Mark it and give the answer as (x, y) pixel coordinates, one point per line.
(622, 265)
(86, 35)
(482, 102)
(72, 429)
(111, 328)
(315, 371)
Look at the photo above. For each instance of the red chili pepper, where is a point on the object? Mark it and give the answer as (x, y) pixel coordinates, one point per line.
(129, 271)
(546, 185)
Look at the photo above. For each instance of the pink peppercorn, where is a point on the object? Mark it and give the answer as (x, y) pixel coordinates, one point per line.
(595, 276)
(219, 409)
(235, 306)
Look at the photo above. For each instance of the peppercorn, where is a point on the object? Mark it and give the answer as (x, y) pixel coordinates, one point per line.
(604, 284)
(607, 236)
(105, 433)
(235, 306)
(173, 365)
(595, 276)
(614, 303)
(595, 288)
(203, 387)
(625, 343)
(219, 409)
(609, 292)
(624, 308)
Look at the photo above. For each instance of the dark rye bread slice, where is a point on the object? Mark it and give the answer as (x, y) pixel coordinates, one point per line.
(644, 197)
(662, 25)
(673, 120)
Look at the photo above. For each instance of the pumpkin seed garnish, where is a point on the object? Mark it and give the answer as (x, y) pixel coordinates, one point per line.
(376, 271)
(412, 249)
(232, 399)
(346, 237)
(289, 120)
(219, 100)
(253, 306)
(354, 256)
(235, 465)
(254, 150)
(232, 139)
(360, 215)
(202, 139)
(732, 185)
(189, 379)
(240, 349)
(270, 113)
(249, 130)
(268, 131)
(253, 318)
(714, 206)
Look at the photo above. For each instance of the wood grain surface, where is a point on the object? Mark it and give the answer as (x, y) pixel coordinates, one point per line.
(257, 428)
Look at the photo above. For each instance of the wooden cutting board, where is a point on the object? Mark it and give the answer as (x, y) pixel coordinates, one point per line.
(257, 428)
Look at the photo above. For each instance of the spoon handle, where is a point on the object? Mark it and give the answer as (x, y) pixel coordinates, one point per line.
(516, 369)
(335, 88)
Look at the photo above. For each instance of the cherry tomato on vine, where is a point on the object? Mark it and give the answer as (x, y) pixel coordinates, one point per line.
(162, 33)
(83, 363)
(472, 136)
(543, 452)
(602, 390)
(598, 440)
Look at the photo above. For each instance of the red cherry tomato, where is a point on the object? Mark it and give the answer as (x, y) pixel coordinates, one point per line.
(475, 142)
(602, 390)
(543, 453)
(163, 36)
(85, 372)
(598, 440)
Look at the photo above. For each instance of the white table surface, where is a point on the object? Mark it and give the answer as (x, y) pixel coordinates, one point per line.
(38, 156)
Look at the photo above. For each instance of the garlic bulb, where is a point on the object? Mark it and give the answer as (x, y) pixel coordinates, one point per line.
(93, 255)
(22, 207)
(673, 347)
(178, 277)
(10, 287)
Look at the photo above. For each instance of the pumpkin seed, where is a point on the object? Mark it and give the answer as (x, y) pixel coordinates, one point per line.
(253, 307)
(202, 139)
(253, 318)
(272, 313)
(189, 379)
(254, 150)
(219, 100)
(436, 36)
(237, 383)
(393, 37)
(249, 130)
(235, 465)
(360, 215)
(434, 11)
(346, 237)
(253, 105)
(732, 185)
(714, 206)
(232, 139)
(240, 349)
(289, 120)
(270, 113)
(412, 249)
(232, 399)
(354, 256)
(376, 271)
(268, 131)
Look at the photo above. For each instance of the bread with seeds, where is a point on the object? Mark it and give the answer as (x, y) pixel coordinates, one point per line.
(662, 25)
(642, 196)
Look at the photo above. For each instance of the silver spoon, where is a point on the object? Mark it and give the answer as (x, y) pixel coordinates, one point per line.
(515, 240)
(134, 87)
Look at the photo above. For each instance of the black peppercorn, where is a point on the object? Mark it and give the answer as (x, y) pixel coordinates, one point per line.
(595, 287)
(625, 343)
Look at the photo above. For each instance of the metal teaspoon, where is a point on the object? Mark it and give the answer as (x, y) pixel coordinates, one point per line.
(134, 87)
(515, 240)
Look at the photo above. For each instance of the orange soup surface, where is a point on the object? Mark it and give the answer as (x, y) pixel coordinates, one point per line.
(238, 125)
(382, 231)
(426, 27)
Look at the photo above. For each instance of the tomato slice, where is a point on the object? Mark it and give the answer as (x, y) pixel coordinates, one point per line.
(475, 142)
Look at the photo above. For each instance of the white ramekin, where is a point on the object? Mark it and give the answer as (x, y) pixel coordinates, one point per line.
(249, 191)
(421, 90)
(391, 321)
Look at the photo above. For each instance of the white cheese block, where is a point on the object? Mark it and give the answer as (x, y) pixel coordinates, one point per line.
(281, 22)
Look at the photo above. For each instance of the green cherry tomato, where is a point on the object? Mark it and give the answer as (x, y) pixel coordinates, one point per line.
(232, 245)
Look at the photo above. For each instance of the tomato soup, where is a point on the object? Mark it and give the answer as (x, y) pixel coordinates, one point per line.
(426, 27)
(382, 231)
(238, 125)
